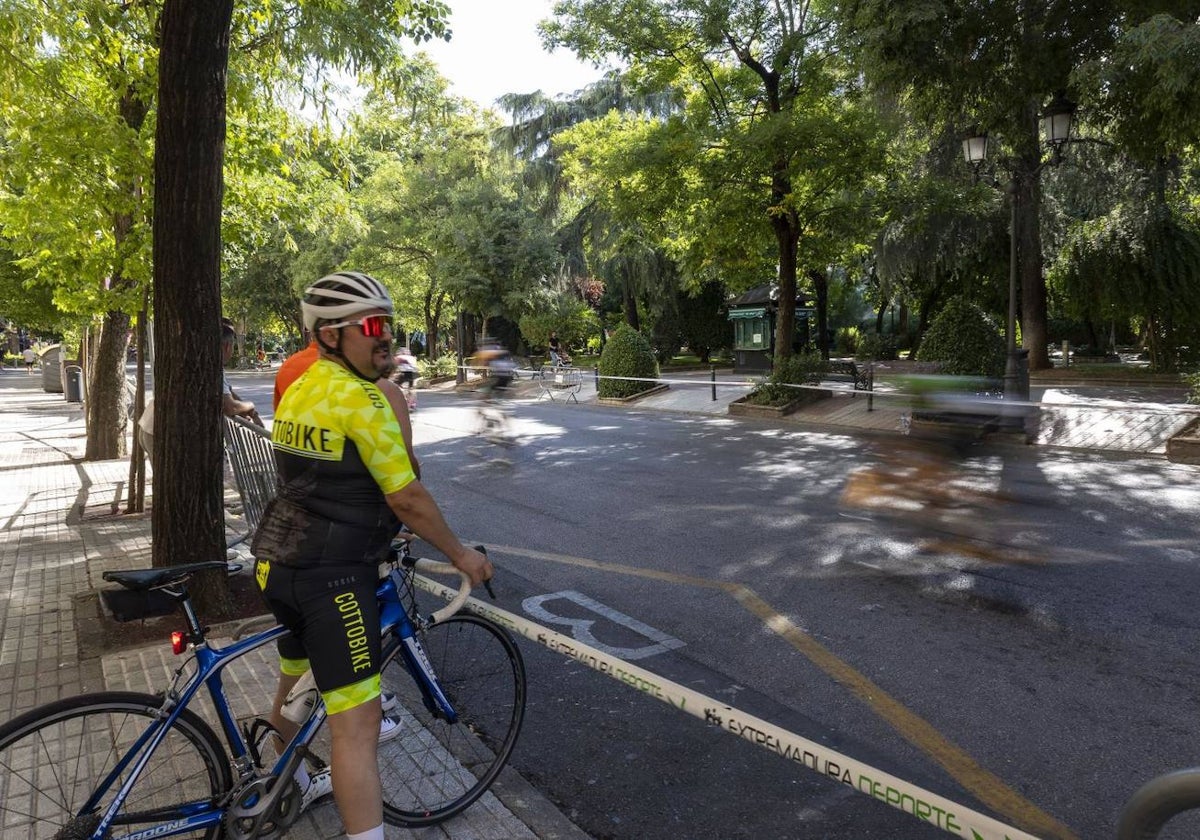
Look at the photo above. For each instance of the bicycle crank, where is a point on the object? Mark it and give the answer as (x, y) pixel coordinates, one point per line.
(252, 815)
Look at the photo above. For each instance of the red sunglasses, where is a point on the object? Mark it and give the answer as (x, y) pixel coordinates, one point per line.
(372, 326)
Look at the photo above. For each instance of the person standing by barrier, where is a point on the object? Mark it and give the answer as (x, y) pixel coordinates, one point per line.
(231, 404)
(292, 367)
(345, 484)
(30, 356)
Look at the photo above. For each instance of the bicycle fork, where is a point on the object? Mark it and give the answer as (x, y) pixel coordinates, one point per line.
(396, 621)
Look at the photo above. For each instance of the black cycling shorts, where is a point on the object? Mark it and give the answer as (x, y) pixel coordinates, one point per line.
(333, 617)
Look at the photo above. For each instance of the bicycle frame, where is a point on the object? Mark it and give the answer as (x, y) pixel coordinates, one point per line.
(210, 662)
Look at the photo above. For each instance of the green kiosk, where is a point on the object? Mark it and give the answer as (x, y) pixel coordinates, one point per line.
(753, 316)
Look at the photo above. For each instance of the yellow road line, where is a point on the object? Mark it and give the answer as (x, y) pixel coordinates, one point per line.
(984, 785)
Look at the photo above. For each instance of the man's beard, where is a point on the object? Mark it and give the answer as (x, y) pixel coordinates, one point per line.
(388, 366)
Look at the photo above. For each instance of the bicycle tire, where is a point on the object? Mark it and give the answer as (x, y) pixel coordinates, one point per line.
(1158, 802)
(52, 757)
(434, 770)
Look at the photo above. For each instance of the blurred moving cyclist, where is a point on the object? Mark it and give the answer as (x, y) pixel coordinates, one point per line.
(345, 484)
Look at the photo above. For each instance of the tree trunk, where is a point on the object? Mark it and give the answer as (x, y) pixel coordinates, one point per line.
(107, 417)
(434, 301)
(786, 238)
(188, 513)
(629, 302)
(136, 496)
(927, 306)
(1034, 332)
(821, 287)
(105, 403)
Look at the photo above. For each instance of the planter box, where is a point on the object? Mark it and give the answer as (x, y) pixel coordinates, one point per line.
(1184, 447)
(741, 408)
(657, 389)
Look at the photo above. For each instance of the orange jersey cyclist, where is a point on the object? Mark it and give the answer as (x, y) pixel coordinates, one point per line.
(345, 484)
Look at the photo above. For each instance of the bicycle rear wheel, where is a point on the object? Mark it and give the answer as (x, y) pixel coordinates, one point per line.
(434, 769)
(53, 758)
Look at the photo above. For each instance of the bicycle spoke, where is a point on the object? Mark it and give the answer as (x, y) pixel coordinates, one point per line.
(435, 769)
(53, 759)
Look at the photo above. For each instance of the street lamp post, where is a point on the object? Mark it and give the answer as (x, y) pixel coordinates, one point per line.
(1056, 123)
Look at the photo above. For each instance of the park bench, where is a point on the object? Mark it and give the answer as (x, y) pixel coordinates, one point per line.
(846, 370)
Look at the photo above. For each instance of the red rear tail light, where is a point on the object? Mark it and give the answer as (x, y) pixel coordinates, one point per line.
(178, 642)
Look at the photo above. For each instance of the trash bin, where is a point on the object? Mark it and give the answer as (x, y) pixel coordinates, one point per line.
(74, 383)
(52, 370)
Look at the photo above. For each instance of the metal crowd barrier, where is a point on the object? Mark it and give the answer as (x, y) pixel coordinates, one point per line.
(561, 381)
(252, 460)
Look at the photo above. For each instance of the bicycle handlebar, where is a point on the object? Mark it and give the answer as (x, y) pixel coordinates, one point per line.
(437, 567)
(1155, 803)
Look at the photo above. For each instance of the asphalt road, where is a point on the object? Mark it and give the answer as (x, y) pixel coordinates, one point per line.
(1025, 647)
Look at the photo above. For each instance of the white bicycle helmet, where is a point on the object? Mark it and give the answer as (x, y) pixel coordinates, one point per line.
(337, 296)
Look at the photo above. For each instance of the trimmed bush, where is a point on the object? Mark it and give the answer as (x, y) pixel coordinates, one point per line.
(964, 341)
(626, 353)
(1193, 381)
(877, 348)
(443, 366)
(846, 340)
(799, 369)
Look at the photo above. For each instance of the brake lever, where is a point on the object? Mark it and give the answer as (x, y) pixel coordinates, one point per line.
(487, 584)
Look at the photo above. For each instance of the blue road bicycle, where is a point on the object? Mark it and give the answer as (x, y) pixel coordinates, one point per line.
(121, 765)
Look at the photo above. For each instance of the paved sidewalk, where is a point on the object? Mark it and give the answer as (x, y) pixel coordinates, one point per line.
(59, 533)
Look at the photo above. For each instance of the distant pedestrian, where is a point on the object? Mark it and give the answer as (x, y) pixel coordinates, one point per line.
(30, 356)
(406, 375)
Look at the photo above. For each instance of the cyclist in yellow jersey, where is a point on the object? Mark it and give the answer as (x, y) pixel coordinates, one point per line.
(345, 484)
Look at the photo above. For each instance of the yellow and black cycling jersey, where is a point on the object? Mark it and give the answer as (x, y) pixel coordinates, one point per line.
(338, 451)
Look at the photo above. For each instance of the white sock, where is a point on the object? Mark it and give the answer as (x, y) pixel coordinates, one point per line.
(375, 833)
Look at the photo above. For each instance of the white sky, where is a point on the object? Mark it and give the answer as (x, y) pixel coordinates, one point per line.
(496, 49)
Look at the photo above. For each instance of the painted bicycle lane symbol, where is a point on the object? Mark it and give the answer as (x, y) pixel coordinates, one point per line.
(581, 628)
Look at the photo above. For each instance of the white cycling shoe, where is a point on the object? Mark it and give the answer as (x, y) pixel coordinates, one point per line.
(320, 785)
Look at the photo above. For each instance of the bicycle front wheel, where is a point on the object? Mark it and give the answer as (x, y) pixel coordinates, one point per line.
(434, 769)
(56, 758)
(1161, 801)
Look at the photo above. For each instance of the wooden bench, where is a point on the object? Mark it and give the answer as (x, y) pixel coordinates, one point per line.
(846, 370)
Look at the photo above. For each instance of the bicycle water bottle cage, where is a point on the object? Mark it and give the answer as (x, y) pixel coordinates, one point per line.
(256, 733)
